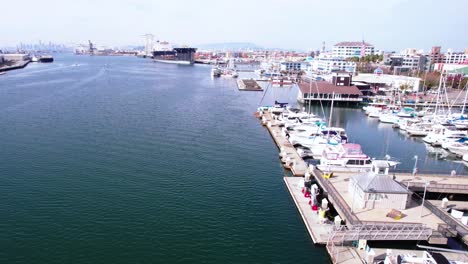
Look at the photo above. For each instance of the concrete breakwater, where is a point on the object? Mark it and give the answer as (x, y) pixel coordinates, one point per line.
(14, 65)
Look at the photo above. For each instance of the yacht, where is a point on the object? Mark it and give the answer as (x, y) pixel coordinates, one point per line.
(373, 106)
(446, 145)
(375, 113)
(406, 112)
(441, 134)
(418, 130)
(461, 124)
(404, 123)
(344, 158)
(388, 118)
(229, 73)
(315, 142)
(458, 148)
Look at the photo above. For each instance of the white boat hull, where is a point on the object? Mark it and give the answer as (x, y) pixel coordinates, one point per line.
(346, 168)
(175, 62)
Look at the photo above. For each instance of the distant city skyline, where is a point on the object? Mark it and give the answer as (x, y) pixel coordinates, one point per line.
(391, 25)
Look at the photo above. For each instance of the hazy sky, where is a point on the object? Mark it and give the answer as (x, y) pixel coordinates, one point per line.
(295, 24)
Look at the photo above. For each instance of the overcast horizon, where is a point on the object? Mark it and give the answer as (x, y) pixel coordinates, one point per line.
(297, 24)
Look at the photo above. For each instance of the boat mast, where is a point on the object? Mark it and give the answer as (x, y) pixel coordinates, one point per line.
(331, 111)
(464, 101)
(438, 93)
(310, 94)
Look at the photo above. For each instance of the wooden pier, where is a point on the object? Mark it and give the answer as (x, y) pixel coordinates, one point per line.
(248, 85)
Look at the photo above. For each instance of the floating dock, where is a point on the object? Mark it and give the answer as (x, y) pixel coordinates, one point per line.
(436, 182)
(317, 231)
(420, 221)
(289, 155)
(248, 85)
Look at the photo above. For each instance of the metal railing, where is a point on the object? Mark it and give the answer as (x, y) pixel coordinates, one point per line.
(338, 201)
(380, 232)
(442, 187)
(451, 224)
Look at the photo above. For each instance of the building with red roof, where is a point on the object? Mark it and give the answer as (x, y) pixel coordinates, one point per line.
(339, 90)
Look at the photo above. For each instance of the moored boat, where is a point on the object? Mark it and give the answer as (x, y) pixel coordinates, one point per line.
(46, 58)
(344, 158)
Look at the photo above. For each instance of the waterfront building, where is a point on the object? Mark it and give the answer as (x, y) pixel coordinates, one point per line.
(435, 55)
(293, 66)
(350, 49)
(460, 71)
(415, 62)
(391, 82)
(377, 190)
(455, 57)
(339, 90)
(329, 64)
(444, 67)
(408, 60)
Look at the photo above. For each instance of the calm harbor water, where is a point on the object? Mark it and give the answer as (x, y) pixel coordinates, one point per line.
(122, 160)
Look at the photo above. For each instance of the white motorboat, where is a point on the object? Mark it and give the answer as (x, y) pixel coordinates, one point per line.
(406, 112)
(465, 159)
(461, 124)
(344, 158)
(374, 106)
(441, 134)
(458, 148)
(316, 143)
(375, 113)
(418, 130)
(403, 123)
(388, 118)
(229, 73)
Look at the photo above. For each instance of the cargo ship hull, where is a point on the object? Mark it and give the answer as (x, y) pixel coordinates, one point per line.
(184, 56)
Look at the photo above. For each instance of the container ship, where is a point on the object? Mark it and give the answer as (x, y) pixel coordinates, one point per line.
(167, 54)
(176, 55)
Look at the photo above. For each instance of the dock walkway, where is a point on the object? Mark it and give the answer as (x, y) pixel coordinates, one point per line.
(292, 159)
(248, 85)
(436, 183)
(317, 231)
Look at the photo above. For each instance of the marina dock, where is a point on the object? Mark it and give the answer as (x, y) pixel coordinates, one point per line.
(435, 183)
(248, 85)
(418, 222)
(288, 153)
(317, 231)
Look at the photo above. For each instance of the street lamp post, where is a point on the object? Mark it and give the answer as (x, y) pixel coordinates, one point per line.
(354, 194)
(424, 197)
(415, 169)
